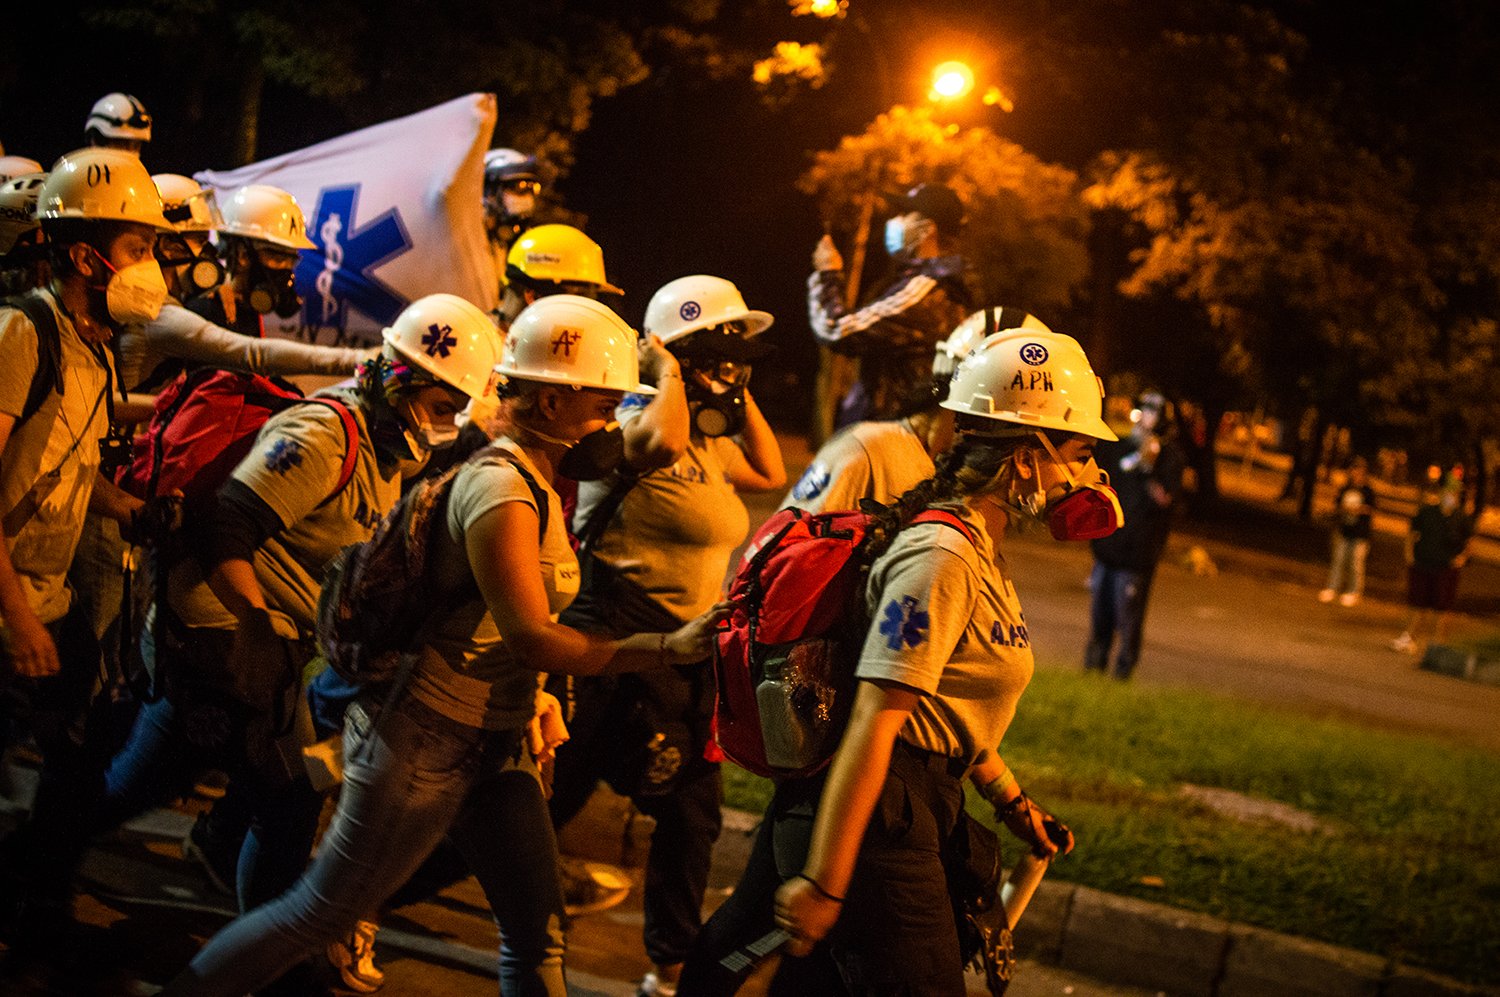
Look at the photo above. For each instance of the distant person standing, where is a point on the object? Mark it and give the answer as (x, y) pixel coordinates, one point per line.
(1145, 469)
(1355, 509)
(1437, 548)
(895, 331)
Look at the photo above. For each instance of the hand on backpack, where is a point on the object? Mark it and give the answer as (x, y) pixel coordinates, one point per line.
(694, 640)
(1047, 836)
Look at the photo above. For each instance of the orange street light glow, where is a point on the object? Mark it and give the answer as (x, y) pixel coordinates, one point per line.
(952, 80)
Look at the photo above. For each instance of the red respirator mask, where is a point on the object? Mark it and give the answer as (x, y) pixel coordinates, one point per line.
(1089, 509)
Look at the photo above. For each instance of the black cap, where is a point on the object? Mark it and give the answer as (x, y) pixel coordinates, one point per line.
(937, 202)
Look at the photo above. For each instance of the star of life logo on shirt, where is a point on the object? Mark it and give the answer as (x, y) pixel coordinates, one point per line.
(904, 624)
(283, 455)
(812, 482)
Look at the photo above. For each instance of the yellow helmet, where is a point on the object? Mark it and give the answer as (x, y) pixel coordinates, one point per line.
(558, 254)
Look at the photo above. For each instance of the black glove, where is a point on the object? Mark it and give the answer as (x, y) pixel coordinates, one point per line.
(1035, 826)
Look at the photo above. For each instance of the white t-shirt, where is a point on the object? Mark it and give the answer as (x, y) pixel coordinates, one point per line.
(945, 621)
(294, 467)
(466, 671)
(45, 488)
(874, 460)
(676, 529)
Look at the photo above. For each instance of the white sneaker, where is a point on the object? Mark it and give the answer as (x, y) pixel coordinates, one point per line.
(1404, 644)
(353, 958)
(1349, 599)
(654, 986)
(1326, 595)
(591, 887)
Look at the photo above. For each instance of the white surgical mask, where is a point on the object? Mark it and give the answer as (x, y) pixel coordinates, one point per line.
(518, 205)
(135, 294)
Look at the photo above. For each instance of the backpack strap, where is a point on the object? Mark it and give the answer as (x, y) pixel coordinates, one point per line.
(626, 478)
(946, 518)
(538, 494)
(48, 375)
(351, 444)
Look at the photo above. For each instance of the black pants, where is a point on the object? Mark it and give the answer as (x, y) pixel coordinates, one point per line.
(686, 806)
(896, 934)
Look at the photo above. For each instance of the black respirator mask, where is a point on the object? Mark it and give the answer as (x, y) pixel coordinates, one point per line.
(595, 455)
(201, 271)
(718, 413)
(272, 290)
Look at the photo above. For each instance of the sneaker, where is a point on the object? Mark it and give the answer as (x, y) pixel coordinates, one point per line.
(1349, 599)
(219, 863)
(654, 986)
(353, 958)
(1326, 595)
(1404, 644)
(590, 887)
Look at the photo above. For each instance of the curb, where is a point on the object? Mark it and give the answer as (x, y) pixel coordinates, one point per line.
(1128, 941)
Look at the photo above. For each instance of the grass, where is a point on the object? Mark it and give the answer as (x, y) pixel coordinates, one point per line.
(1407, 865)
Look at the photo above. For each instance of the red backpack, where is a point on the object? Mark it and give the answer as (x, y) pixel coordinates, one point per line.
(785, 661)
(204, 423)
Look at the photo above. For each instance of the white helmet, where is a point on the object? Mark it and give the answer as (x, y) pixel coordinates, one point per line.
(18, 197)
(15, 166)
(1032, 378)
(101, 185)
(268, 214)
(568, 339)
(119, 116)
(188, 205)
(450, 338)
(690, 304)
(508, 164)
(976, 329)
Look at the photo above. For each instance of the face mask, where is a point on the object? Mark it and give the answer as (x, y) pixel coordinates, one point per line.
(720, 415)
(1086, 507)
(595, 455)
(895, 235)
(517, 205)
(272, 291)
(422, 436)
(135, 294)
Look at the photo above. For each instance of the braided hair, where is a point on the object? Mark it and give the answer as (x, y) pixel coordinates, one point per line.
(969, 467)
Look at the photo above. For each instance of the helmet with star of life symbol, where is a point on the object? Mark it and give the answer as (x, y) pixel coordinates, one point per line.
(572, 340)
(448, 337)
(1031, 379)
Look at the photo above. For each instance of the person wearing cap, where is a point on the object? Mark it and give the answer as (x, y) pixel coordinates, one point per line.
(118, 121)
(1146, 471)
(656, 531)
(444, 753)
(894, 332)
(100, 215)
(942, 667)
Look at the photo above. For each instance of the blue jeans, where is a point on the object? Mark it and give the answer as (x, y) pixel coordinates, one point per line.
(408, 780)
(1117, 612)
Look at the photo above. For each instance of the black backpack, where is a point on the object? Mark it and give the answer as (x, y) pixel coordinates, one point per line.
(376, 595)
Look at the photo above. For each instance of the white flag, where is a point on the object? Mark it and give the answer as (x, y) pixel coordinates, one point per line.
(396, 210)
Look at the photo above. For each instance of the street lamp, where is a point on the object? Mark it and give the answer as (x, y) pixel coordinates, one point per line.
(951, 81)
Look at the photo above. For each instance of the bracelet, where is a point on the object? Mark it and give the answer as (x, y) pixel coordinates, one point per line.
(997, 785)
(661, 650)
(1011, 807)
(819, 888)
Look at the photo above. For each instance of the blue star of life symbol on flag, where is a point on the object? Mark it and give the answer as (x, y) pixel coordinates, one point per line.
(342, 274)
(904, 623)
(439, 340)
(1034, 354)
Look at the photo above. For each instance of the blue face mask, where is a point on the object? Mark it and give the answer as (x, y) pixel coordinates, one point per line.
(895, 235)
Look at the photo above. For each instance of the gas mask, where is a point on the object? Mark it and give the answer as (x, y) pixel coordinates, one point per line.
(719, 413)
(135, 293)
(201, 270)
(272, 290)
(904, 233)
(1085, 508)
(592, 456)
